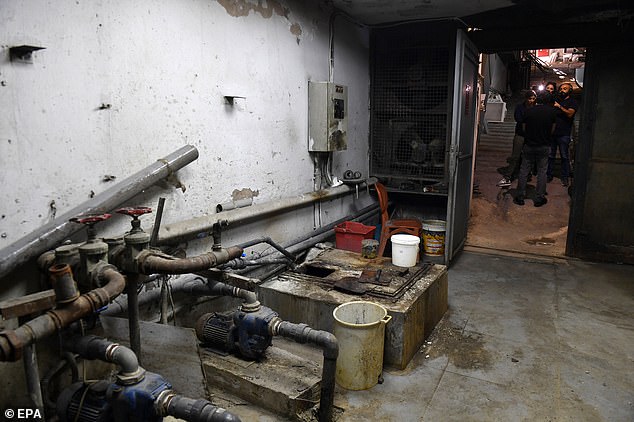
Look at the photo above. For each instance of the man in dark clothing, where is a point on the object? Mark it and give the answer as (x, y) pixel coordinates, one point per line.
(539, 125)
(513, 169)
(566, 108)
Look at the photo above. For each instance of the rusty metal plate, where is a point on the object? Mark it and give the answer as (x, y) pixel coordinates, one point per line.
(27, 305)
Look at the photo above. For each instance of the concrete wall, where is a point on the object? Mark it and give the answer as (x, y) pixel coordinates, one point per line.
(496, 73)
(163, 68)
(124, 83)
(602, 219)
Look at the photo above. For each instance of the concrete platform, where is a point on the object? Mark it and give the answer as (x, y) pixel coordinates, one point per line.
(283, 382)
(416, 300)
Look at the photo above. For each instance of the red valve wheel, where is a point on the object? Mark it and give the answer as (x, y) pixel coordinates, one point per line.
(134, 211)
(90, 219)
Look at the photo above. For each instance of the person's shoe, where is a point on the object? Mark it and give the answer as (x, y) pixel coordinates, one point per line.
(564, 182)
(519, 200)
(505, 182)
(540, 201)
(549, 179)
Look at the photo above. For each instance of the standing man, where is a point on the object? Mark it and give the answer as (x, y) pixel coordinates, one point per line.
(566, 108)
(539, 125)
(513, 169)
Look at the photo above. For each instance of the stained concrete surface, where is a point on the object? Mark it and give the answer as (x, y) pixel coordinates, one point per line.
(522, 341)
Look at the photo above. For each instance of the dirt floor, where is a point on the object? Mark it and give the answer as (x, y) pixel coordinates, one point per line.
(497, 223)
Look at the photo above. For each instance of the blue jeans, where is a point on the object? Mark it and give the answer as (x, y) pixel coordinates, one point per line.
(561, 143)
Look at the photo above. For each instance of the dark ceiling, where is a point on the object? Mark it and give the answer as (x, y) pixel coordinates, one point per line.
(497, 25)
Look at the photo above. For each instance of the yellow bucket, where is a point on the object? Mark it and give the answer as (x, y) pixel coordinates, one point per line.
(434, 237)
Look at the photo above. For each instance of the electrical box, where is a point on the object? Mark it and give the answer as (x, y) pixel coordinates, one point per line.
(327, 117)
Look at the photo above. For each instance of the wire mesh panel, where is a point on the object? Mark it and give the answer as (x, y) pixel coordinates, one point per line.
(410, 114)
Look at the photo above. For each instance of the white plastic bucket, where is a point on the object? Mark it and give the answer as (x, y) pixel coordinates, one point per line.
(404, 249)
(434, 237)
(360, 331)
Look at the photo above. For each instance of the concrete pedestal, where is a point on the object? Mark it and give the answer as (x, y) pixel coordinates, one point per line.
(311, 299)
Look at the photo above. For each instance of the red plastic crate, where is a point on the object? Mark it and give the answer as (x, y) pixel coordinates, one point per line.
(349, 234)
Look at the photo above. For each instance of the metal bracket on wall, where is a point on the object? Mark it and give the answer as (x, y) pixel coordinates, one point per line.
(23, 53)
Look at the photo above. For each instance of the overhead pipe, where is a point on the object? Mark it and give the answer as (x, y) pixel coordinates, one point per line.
(201, 226)
(12, 342)
(50, 235)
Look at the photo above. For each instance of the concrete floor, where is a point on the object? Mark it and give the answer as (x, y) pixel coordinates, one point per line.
(547, 340)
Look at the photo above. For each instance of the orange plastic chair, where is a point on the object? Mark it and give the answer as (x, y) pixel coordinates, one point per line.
(389, 227)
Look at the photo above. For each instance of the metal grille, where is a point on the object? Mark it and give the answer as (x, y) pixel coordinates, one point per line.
(410, 103)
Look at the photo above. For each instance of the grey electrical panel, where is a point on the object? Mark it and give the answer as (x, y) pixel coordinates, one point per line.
(327, 116)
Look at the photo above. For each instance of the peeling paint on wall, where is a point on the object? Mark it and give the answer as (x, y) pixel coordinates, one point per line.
(239, 8)
(244, 193)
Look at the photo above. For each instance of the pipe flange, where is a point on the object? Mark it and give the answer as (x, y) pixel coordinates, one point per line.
(250, 307)
(131, 378)
(162, 402)
(274, 326)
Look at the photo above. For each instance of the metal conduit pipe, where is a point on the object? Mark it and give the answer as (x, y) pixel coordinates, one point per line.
(50, 235)
(68, 360)
(12, 342)
(195, 286)
(302, 333)
(192, 410)
(271, 242)
(298, 245)
(149, 262)
(201, 226)
(93, 347)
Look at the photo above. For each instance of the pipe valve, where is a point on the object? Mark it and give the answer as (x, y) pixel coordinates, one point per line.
(93, 250)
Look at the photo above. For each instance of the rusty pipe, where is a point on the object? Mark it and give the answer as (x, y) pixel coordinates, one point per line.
(12, 342)
(151, 263)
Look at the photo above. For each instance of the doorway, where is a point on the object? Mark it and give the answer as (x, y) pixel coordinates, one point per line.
(496, 224)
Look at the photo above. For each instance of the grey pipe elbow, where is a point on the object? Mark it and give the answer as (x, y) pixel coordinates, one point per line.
(125, 358)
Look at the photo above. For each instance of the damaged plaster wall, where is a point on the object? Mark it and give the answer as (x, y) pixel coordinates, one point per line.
(121, 84)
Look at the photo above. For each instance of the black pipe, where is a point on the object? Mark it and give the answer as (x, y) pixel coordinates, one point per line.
(194, 410)
(134, 324)
(271, 242)
(302, 243)
(93, 347)
(302, 333)
(298, 244)
(69, 360)
(157, 221)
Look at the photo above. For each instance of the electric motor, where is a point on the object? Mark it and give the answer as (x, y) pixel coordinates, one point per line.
(217, 331)
(84, 402)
